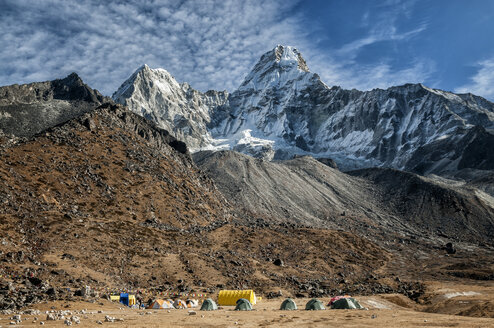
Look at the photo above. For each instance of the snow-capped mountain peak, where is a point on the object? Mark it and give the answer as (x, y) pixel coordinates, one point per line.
(275, 68)
(183, 111)
(288, 56)
(154, 78)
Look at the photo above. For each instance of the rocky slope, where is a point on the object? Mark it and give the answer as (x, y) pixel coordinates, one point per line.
(109, 200)
(368, 202)
(111, 158)
(282, 109)
(30, 108)
(185, 112)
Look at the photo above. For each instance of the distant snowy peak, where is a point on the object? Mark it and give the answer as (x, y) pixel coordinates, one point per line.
(178, 108)
(154, 78)
(275, 68)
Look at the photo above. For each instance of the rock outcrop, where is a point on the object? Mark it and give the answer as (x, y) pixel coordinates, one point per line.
(31, 108)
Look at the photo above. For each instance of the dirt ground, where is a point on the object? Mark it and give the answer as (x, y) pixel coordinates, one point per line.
(390, 310)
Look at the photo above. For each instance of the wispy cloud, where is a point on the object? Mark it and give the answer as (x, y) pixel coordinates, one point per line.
(210, 44)
(351, 49)
(482, 83)
(341, 67)
(381, 75)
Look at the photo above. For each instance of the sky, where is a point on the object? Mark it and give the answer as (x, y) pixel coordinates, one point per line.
(361, 44)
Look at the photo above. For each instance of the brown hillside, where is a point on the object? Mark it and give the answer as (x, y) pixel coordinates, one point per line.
(108, 200)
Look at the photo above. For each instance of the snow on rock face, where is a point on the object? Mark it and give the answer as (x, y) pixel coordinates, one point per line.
(282, 109)
(283, 102)
(275, 68)
(183, 111)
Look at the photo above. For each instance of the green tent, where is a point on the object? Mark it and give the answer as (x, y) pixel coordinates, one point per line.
(346, 303)
(208, 305)
(314, 304)
(288, 304)
(243, 305)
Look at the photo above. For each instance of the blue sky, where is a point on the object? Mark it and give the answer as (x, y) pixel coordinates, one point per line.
(211, 44)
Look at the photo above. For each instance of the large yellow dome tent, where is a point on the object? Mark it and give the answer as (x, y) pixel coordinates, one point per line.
(230, 297)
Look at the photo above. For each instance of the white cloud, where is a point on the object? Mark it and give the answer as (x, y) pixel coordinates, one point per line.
(366, 77)
(482, 83)
(342, 68)
(351, 49)
(211, 44)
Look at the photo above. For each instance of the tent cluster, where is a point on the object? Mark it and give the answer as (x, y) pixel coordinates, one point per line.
(161, 304)
(170, 304)
(242, 300)
(338, 302)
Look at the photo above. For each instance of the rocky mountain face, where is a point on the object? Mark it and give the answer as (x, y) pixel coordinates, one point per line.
(178, 108)
(282, 109)
(376, 203)
(31, 108)
(282, 101)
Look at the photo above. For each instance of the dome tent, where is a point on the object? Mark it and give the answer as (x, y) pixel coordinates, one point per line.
(243, 305)
(230, 297)
(288, 304)
(179, 304)
(314, 304)
(346, 303)
(160, 304)
(191, 303)
(209, 305)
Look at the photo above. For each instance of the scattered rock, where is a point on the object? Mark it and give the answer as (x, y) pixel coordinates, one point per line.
(450, 249)
(278, 262)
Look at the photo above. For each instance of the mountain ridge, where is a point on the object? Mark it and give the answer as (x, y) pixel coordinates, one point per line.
(28, 109)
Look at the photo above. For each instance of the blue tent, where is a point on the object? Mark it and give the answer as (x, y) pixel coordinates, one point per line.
(124, 298)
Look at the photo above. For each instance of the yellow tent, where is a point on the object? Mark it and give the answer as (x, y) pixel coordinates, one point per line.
(230, 297)
(115, 297)
(132, 300)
